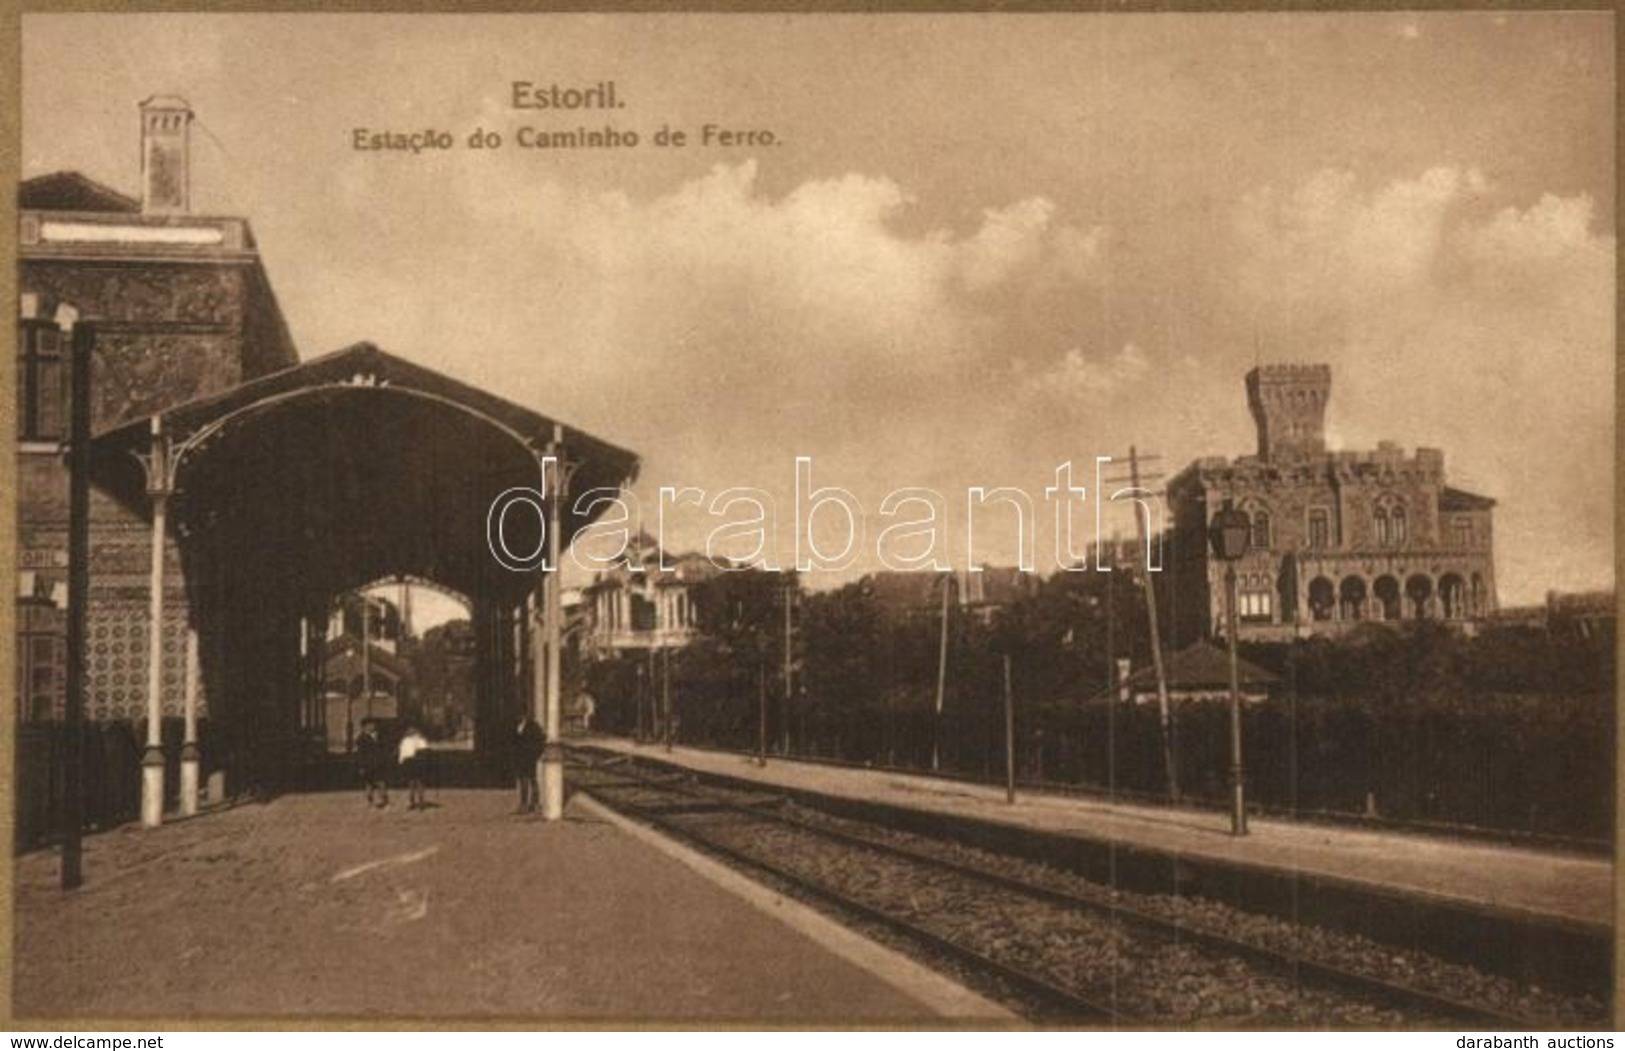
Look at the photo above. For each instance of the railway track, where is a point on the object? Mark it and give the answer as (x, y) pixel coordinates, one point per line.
(1065, 954)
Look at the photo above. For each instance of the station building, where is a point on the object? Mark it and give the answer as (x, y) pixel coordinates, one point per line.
(237, 493)
(184, 309)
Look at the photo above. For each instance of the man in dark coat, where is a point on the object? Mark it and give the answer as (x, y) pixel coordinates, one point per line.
(528, 742)
(372, 761)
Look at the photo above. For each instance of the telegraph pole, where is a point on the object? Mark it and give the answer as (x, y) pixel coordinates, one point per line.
(1143, 528)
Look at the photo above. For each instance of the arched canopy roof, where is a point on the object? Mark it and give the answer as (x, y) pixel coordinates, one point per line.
(348, 468)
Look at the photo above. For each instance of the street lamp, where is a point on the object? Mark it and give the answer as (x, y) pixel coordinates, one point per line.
(1229, 533)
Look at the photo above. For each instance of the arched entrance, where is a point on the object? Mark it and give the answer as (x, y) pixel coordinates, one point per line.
(1351, 595)
(1386, 592)
(288, 491)
(1322, 599)
(1419, 595)
(1452, 596)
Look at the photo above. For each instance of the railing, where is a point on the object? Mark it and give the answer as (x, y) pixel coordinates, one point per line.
(112, 771)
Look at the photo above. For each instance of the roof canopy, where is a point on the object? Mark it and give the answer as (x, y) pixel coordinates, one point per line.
(347, 469)
(1203, 666)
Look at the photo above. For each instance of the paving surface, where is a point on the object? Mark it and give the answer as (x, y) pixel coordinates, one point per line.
(1544, 883)
(315, 905)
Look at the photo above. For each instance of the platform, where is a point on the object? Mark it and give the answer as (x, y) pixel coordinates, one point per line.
(315, 906)
(1563, 887)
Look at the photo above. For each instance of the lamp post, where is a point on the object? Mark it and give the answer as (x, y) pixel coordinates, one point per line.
(1229, 533)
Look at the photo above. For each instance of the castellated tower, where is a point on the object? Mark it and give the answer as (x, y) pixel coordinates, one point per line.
(1289, 406)
(166, 156)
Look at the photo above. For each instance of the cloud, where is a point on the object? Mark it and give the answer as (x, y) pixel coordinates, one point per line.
(721, 330)
(1325, 246)
(1077, 375)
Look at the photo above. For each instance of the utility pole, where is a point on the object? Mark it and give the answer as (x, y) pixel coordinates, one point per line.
(1164, 710)
(84, 344)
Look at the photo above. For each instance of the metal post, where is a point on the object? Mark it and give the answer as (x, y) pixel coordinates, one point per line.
(649, 694)
(84, 342)
(190, 755)
(1238, 812)
(761, 710)
(665, 693)
(942, 678)
(638, 689)
(1009, 736)
(552, 772)
(784, 709)
(152, 760)
(366, 652)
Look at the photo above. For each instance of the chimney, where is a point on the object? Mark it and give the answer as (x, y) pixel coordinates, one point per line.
(166, 156)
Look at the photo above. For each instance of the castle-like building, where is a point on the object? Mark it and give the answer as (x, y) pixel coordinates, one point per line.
(1339, 538)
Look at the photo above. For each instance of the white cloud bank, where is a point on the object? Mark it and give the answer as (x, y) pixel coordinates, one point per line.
(721, 330)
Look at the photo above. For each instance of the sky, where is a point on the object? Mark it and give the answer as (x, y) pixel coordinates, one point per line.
(979, 246)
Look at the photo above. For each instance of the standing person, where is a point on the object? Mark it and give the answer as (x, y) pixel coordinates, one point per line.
(370, 760)
(528, 742)
(412, 753)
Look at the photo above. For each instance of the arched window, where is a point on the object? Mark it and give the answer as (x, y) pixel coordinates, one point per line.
(1388, 520)
(1261, 530)
(1320, 528)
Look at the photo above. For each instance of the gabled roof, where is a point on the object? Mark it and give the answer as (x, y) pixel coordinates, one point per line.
(343, 653)
(1461, 500)
(72, 192)
(905, 591)
(1203, 665)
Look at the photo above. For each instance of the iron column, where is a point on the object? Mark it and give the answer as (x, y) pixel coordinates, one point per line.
(152, 760)
(84, 342)
(553, 752)
(1229, 534)
(190, 755)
